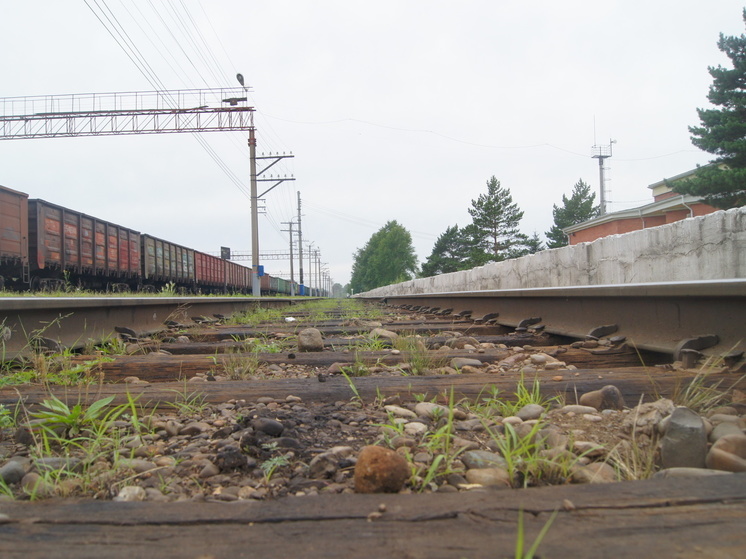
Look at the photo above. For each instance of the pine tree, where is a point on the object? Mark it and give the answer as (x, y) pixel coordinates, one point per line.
(723, 132)
(534, 244)
(388, 257)
(577, 209)
(450, 253)
(495, 219)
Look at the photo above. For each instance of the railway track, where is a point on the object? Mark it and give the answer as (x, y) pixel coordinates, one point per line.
(209, 385)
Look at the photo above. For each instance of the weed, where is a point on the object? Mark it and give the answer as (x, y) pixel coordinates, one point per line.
(270, 466)
(83, 438)
(354, 388)
(5, 491)
(236, 364)
(113, 345)
(375, 343)
(636, 458)
(188, 403)
(421, 361)
(58, 416)
(520, 536)
(495, 404)
(7, 418)
(256, 316)
(168, 290)
(702, 395)
(263, 345)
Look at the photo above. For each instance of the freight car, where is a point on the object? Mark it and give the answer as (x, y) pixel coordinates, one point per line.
(43, 244)
(13, 234)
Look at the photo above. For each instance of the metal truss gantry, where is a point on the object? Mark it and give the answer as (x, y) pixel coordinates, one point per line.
(107, 114)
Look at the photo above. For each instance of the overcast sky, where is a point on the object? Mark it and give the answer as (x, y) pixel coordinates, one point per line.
(395, 110)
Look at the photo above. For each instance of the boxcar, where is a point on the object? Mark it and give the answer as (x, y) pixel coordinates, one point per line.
(64, 240)
(164, 262)
(238, 278)
(264, 284)
(209, 271)
(13, 235)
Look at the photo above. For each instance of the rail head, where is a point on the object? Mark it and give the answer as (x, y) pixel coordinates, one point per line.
(668, 317)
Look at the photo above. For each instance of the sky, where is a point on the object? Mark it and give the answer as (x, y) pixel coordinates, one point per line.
(394, 110)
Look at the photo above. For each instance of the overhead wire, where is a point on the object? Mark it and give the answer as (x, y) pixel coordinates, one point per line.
(466, 142)
(124, 41)
(163, 48)
(203, 53)
(362, 222)
(186, 41)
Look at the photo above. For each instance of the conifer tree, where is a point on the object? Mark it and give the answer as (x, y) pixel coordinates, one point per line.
(578, 208)
(723, 132)
(494, 227)
(450, 253)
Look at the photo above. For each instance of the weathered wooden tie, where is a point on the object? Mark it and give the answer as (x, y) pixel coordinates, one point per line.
(677, 518)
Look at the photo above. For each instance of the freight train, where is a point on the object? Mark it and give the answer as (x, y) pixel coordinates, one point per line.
(46, 245)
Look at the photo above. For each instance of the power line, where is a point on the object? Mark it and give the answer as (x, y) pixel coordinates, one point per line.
(135, 55)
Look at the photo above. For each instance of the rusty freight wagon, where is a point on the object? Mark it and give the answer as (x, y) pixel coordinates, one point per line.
(14, 266)
(215, 275)
(164, 262)
(238, 278)
(64, 243)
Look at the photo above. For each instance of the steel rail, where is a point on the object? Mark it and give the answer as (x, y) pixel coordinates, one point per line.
(72, 322)
(662, 317)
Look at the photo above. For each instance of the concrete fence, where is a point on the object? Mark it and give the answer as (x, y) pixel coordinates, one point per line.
(700, 248)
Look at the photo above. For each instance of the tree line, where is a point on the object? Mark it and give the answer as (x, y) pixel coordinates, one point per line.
(494, 234)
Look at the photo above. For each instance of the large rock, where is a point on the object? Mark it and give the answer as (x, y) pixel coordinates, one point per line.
(685, 443)
(459, 362)
(380, 470)
(460, 342)
(530, 411)
(382, 333)
(728, 453)
(490, 477)
(309, 339)
(324, 465)
(482, 459)
(607, 398)
(12, 472)
(595, 472)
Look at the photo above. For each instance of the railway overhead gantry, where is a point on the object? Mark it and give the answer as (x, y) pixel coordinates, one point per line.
(152, 112)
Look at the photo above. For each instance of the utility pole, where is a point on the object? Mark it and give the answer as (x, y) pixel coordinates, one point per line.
(292, 278)
(318, 269)
(310, 265)
(602, 153)
(255, 178)
(255, 285)
(300, 250)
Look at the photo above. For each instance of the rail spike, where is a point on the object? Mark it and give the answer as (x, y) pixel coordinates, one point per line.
(698, 343)
(601, 331)
(485, 318)
(526, 322)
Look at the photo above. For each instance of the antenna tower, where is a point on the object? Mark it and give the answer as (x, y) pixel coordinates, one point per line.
(602, 153)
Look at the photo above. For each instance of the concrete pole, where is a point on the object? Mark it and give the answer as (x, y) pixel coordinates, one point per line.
(255, 285)
(602, 180)
(300, 246)
(292, 278)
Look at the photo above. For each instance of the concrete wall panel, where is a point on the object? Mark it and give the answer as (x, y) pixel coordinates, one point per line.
(700, 248)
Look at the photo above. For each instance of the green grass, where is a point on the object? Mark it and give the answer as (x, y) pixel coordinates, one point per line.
(83, 434)
(188, 403)
(520, 540)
